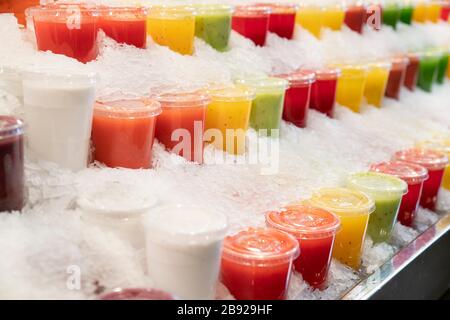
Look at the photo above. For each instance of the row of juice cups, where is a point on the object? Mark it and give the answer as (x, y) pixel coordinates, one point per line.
(176, 26)
(187, 248)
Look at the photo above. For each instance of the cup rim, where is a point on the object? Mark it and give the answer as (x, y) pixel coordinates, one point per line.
(412, 173)
(149, 108)
(182, 99)
(430, 159)
(354, 181)
(11, 126)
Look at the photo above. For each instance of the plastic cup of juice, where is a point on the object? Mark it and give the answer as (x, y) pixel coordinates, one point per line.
(123, 132)
(282, 19)
(125, 24)
(353, 209)
(396, 77)
(391, 13)
(315, 230)
(387, 192)
(333, 16)
(183, 246)
(323, 91)
(257, 263)
(412, 71)
(11, 81)
(229, 114)
(69, 29)
(252, 22)
(406, 12)
(58, 111)
(442, 66)
(445, 11)
(213, 24)
(435, 162)
(414, 175)
(355, 17)
(420, 12)
(12, 180)
(297, 99)
(310, 17)
(172, 26)
(350, 86)
(267, 107)
(181, 124)
(433, 11)
(441, 145)
(376, 82)
(428, 69)
(137, 294)
(118, 209)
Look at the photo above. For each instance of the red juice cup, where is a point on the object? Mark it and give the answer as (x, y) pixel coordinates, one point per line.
(435, 162)
(355, 16)
(137, 294)
(315, 230)
(181, 124)
(282, 18)
(297, 97)
(68, 29)
(123, 132)
(396, 77)
(12, 192)
(252, 22)
(323, 91)
(412, 71)
(445, 11)
(125, 25)
(257, 264)
(414, 175)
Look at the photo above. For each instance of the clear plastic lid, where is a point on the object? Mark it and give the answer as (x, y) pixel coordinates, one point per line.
(116, 201)
(399, 62)
(350, 70)
(440, 144)
(328, 73)
(184, 225)
(183, 99)
(430, 159)
(122, 12)
(251, 10)
(260, 245)
(137, 294)
(298, 78)
(171, 11)
(264, 84)
(280, 8)
(128, 108)
(343, 201)
(377, 184)
(304, 221)
(409, 172)
(10, 127)
(212, 8)
(380, 64)
(62, 11)
(58, 79)
(231, 93)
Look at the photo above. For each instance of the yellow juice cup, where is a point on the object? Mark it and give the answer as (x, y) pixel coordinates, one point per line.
(310, 17)
(333, 16)
(420, 12)
(350, 87)
(229, 114)
(376, 81)
(172, 26)
(441, 144)
(353, 209)
(433, 11)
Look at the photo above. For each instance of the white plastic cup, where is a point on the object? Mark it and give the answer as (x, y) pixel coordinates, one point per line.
(184, 245)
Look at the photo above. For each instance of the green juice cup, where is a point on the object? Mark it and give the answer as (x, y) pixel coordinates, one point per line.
(391, 14)
(406, 12)
(387, 192)
(428, 70)
(267, 107)
(213, 24)
(442, 66)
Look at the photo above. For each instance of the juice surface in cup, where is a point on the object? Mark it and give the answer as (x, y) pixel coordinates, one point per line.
(396, 77)
(58, 111)
(406, 13)
(350, 86)
(412, 71)
(391, 14)
(323, 90)
(387, 192)
(414, 175)
(227, 117)
(257, 264)
(315, 230)
(173, 27)
(355, 16)
(125, 25)
(282, 19)
(12, 176)
(213, 24)
(428, 69)
(252, 22)
(57, 31)
(420, 12)
(297, 99)
(183, 246)
(440, 144)
(376, 82)
(181, 123)
(333, 16)
(353, 209)
(442, 66)
(310, 18)
(123, 132)
(267, 107)
(435, 162)
(137, 294)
